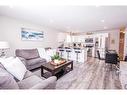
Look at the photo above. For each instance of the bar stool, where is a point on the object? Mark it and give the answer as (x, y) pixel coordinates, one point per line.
(68, 50)
(77, 51)
(61, 52)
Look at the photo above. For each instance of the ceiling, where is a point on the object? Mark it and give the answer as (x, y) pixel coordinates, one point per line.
(70, 18)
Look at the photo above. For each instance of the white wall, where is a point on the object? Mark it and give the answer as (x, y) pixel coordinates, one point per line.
(10, 30)
(114, 35)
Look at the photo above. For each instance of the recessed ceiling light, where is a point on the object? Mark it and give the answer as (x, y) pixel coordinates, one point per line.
(103, 20)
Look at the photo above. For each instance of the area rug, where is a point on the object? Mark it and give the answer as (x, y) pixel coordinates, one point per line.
(88, 75)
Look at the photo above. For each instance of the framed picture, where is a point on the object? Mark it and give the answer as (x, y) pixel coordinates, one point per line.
(31, 35)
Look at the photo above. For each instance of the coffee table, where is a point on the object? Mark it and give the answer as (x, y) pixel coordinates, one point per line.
(54, 70)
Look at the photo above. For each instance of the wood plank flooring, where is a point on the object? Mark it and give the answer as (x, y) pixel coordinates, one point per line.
(90, 75)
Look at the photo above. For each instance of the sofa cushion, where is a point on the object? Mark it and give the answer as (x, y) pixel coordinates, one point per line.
(35, 61)
(43, 54)
(27, 53)
(31, 67)
(29, 82)
(28, 74)
(15, 67)
(49, 83)
(23, 60)
(6, 80)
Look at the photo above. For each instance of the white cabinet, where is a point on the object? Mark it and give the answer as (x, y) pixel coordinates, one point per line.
(79, 39)
(75, 38)
(61, 37)
(102, 37)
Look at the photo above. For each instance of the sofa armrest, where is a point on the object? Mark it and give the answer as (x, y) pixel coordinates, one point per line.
(23, 60)
(49, 83)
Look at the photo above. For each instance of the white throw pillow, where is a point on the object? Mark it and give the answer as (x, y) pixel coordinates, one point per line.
(15, 67)
(51, 52)
(43, 54)
(3, 59)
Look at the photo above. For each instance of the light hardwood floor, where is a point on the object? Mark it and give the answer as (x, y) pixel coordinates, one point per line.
(90, 75)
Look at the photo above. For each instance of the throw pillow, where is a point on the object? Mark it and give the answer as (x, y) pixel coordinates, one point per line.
(51, 52)
(15, 67)
(43, 54)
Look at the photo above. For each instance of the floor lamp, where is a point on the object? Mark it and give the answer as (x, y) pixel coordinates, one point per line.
(3, 47)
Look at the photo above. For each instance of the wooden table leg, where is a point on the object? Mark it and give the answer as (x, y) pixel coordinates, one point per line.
(72, 66)
(53, 73)
(42, 71)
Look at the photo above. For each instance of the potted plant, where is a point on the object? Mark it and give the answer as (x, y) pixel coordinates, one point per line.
(56, 58)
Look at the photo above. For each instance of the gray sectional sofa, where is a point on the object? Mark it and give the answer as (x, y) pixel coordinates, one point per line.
(30, 81)
(32, 60)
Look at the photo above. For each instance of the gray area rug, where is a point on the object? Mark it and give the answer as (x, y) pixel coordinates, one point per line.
(65, 81)
(89, 75)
